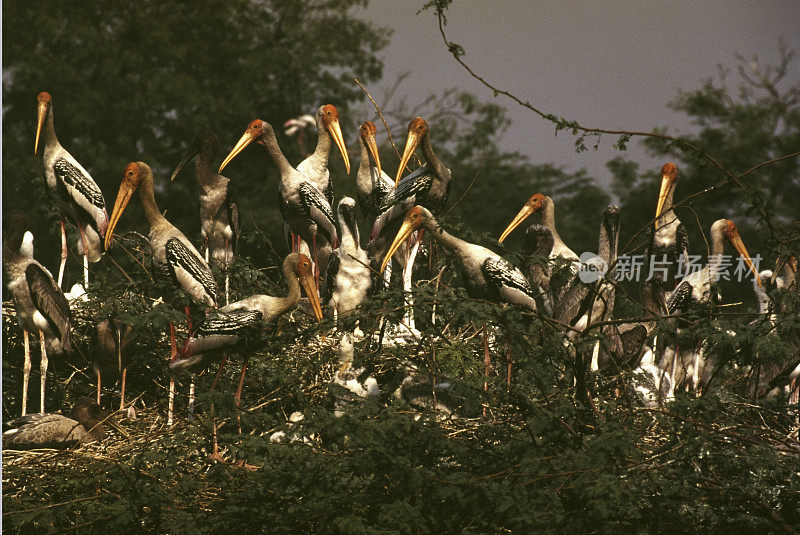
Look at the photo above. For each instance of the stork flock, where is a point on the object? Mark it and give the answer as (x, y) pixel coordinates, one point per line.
(328, 255)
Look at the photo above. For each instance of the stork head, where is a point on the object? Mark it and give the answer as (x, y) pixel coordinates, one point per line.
(415, 218)
(304, 270)
(346, 212)
(417, 130)
(731, 233)
(534, 204)
(328, 115)
(611, 224)
(255, 131)
(367, 131)
(134, 173)
(44, 103)
(206, 140)
(669, 176)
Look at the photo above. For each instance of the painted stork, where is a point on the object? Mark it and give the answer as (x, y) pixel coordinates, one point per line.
(240, 326)
(315, 167)
(668, 243)
(43, 430)
(39, 303)
(303, 205)
(696, 287)
(72, 190)
(219, 213)
(174, 256)
(113, 342)
(348, 277)
(486, 274)
(300, 126)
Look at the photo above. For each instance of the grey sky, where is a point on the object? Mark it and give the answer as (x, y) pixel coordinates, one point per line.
(609, 64)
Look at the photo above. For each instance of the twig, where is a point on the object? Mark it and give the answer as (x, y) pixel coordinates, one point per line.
(377, 108)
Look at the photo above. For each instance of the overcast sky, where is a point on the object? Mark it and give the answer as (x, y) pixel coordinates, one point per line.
(608, 64)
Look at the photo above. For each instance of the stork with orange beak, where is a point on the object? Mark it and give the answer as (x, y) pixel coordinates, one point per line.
(174, 256)
(696, 287)
(315, 167)
(304, 207)
(486, 274)
(76, 196)
(667, 242)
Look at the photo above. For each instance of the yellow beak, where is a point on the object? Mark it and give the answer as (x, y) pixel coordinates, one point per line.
(518, 219)
(666, 184)
(405, 231)
(308, 284)
(247, 138)
(738, 244)
(372, 147)
(123, 198)
(336, 134)
(411, 145)
(40, 116)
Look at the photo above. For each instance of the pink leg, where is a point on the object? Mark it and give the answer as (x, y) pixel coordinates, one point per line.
(85, 257)
(219, 371)
(98, 388)
(172, 356)
(238, 397)
(27, 373)
(316, 262)
(122, 392)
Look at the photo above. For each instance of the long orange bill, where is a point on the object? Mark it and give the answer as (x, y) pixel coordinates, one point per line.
(517, 221)
(308, 284)
(336, 134)
(247, 138)
(666, 184)
(412, 143)
(123, 198)
(405, 231)
(738, 244)
(41, 114)
(372, 147)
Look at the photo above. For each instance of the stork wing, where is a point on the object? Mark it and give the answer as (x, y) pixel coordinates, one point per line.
(319, 209)
(330, 275)
(683, 243)
(191, 271)
(41, 430)
(680, 297)
(412, 190)
(234, 322)
(509, 281)
(80, 186)
(51, 302)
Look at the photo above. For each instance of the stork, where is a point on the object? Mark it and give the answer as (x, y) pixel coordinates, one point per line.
(174, 257)
(315, 167)
(486, 274)
(240, 326)
(219, 213)
(299, 126)
(428, 187)
(668, 243)
(113, 342)
(38, 301)
(348, 277)
(303, 205)
(696, 287)
(561, 276)
(43, 430)
(72, 190)
(538, 245)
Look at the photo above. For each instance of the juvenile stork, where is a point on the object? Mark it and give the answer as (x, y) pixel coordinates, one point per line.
(348, 277)
(537, 247)
(303, 205)
(315, 167)
(43, 430)
(241, 326)
(667, 244)
(486, 274)
(696, 287)
(300, 126)
(174, 257)
(39, 303)
(219, 213)
(72, 190)
(113, 341)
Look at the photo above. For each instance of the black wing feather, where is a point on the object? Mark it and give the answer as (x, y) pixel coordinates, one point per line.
(180, 255)
(71, 175)
(51, 302)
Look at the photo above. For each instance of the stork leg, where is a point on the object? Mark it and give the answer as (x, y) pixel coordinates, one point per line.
(238, 397)
(85, 257)
(194, 375)
(98, 386)
(173, 354)
(227, 276)
(219, 371)
(509, 362)
(487, 361)
(43, 368)
(122, 389)
(316, 261)
(26, 372)
(64, 253)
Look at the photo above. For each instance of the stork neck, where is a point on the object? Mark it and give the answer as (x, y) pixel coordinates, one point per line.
(430, 156)
(717, 244)
(363, 177)
(549, 221)
(147, 195)
(667, 216)
(442, 236)
(293, 297)
(204, 166)
(49, 130)
(271, 142)
(323, 150)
